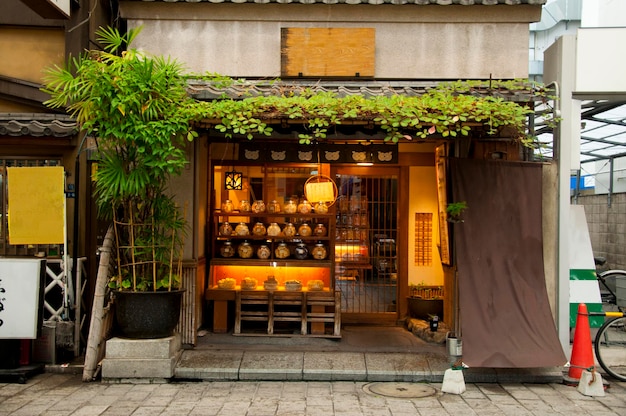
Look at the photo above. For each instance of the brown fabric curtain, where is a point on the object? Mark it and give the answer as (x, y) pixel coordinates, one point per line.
(506, 320)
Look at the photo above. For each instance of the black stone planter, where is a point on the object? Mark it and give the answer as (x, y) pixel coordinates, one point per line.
(144, 315)
(421, 308)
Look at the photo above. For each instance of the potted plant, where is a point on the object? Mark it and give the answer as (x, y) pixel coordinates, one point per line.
(137, 109)
(455, 210)
(424, 301)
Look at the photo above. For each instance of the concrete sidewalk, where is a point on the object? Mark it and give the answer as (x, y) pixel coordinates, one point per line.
(363, 354)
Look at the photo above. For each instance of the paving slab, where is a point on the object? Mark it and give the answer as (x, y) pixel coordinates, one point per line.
(346, 366)
(257, 365)
(209, 365)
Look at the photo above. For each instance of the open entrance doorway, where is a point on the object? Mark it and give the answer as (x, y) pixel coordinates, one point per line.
(366, 255)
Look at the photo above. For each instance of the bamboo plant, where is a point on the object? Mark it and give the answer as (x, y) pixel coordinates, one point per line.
(137, 108)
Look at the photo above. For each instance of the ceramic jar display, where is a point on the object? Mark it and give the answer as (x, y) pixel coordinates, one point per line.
(273, 207)
(305, 230)
(226, 228)
(242, 229)
(245, 250)
(244, 205)
(227, 206)
(319, 251)
(289, 230)
(227, 249)
(290, 206)
(258, 207)
(282, 251)
(301, 251)
(319, 230)
(263, 252)
(305, 207)
(258, 229)
(321, 208)
(273, 230)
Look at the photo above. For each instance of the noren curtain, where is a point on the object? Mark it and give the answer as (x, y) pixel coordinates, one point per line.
(506, 320)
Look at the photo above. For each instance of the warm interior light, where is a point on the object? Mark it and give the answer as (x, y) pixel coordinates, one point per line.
(233, 181)
(320, 191)
(280, 272)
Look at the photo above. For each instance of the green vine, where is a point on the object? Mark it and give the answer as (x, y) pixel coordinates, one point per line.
(449, 110)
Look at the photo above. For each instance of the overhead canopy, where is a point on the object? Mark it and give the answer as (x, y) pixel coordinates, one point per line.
(602, 131)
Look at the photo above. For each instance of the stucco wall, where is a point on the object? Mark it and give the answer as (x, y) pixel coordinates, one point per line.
(412, 42)
(25, 52)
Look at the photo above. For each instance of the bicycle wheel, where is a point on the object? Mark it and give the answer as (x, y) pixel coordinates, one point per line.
(610, 346)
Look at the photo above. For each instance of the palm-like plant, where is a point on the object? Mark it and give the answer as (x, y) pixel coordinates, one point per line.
(137, 108)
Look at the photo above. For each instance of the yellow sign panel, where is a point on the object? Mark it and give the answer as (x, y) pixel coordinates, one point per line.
(36, 205)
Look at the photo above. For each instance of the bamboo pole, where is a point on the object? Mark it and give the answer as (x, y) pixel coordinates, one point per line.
(95, 341)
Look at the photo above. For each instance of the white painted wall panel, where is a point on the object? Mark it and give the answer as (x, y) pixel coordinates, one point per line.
(600, 64)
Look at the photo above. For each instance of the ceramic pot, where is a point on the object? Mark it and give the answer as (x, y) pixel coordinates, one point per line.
(304, 207)
(319, 251)
(282, 251)
(305, 230)
(258, 206)
(290, 207)
(263, 252)
(242, 229)
(244, 205)
(273, 230)
(289, 230)
(227, 249)
(319, 230)
(321, 208)
(226, 228)
(144, 315)
(245, 250)
(301, 251)
(227, 206)
(258, 229)
(273, 207)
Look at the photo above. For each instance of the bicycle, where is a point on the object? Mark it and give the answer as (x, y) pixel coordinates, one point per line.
(610, 340)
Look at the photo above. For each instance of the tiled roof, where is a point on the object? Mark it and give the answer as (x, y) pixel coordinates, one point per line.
(202, 90)
(37, 125)
(374, 2)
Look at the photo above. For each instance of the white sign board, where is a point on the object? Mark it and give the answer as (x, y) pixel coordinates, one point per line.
(21, 291)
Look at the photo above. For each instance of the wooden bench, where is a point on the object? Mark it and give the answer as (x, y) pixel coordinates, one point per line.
(305, 309)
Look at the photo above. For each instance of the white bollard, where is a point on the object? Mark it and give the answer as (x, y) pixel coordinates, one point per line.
(453, 381)
(590, 384)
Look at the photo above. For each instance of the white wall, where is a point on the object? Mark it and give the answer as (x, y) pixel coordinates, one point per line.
(600, 64)
(423, 199)
(412, 42)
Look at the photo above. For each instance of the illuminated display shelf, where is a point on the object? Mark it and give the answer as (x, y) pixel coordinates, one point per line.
(283, 271)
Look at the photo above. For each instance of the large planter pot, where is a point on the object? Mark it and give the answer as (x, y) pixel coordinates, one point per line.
(144, 315)
(421, 308)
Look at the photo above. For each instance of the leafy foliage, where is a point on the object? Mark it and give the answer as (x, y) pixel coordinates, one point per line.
(138, 109)
(449, 110)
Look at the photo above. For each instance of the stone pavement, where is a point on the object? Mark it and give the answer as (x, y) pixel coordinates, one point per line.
(55, 394)
(363, 354)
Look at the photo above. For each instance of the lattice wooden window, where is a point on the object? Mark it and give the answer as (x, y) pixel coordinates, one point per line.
(423, 238)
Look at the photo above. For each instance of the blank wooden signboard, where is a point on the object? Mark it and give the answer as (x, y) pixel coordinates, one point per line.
(327, 52)
(36, 205)
(21, 293)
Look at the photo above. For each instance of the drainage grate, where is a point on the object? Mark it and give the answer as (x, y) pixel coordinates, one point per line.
(400, 390)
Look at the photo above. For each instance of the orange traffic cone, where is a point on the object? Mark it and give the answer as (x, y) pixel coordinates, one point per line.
(582, 352)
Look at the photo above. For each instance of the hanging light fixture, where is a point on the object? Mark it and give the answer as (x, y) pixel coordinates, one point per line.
(320, 188)
(233, 180)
